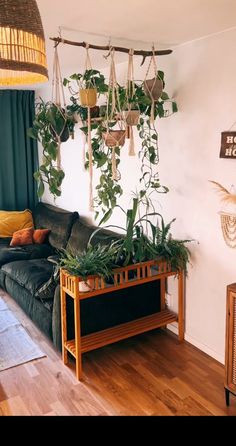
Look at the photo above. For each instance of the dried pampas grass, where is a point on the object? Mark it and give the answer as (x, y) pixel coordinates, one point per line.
(226, 196)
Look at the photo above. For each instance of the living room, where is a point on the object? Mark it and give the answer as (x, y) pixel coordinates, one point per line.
(117, 174)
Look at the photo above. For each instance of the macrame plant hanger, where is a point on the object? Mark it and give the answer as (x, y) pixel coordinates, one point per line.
(58, 98)
(131, 116)
(88, 66)
(114, 113)
(153, 87)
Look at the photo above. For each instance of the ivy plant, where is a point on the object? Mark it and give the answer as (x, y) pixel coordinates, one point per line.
(52, 126)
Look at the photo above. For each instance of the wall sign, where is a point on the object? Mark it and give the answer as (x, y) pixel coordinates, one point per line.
(228, 145)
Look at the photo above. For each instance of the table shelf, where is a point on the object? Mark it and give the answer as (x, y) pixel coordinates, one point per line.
(144, 272)
(123, 331)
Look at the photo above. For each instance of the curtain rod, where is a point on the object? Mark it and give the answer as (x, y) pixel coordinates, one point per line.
(142, 53)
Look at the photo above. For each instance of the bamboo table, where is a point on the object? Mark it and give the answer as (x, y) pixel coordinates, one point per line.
(144, 272)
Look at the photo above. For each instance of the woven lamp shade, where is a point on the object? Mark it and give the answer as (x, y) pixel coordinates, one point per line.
(22, 43)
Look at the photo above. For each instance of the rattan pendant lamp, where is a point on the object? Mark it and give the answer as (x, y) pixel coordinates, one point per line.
(22, 43)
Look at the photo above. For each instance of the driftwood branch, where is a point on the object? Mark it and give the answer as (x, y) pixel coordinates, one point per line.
(143, 53)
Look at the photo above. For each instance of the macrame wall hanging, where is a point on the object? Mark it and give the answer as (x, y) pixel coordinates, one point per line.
(153, 87)
(114, 137)
(58, 99)
(228, 214)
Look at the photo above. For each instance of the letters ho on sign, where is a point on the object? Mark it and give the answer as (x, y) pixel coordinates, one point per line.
(228, 145)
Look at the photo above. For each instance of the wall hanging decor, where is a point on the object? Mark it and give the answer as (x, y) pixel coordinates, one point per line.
(227, 213)
(228, 145)
(22, 43)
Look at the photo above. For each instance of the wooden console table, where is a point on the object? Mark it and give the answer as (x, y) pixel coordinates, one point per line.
(144, 272)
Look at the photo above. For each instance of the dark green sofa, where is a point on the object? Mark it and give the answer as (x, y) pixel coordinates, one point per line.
(24, 270)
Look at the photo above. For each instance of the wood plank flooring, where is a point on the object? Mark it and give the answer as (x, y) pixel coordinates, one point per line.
(151, 374)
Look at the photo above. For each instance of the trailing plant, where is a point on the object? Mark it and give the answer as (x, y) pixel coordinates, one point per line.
(52, 126)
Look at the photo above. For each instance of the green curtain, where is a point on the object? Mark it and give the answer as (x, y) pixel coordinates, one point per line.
(18, 152)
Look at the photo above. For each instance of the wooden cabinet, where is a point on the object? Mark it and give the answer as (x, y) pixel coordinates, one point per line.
(230, 346)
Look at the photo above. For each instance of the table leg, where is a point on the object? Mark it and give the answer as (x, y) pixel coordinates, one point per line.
(63, 326)
(77, 339)
(181, 309)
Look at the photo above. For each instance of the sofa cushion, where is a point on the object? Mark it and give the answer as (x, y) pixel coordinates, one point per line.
(12, 221)
(29, 252)
(81, 233)
(57, 220)
(30, 274)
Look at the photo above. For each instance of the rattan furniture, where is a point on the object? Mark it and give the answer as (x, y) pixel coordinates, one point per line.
(144, 272)
(230, 345)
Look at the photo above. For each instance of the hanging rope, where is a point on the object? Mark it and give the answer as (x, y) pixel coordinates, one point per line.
(114, 138)
(130, 92)
(58, 98)
(153, 87)
(88, 66)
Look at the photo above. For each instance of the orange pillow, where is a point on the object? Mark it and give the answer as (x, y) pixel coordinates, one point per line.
(22, 237)
(39, 235)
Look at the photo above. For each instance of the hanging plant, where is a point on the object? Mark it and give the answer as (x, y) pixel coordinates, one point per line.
(52, 126)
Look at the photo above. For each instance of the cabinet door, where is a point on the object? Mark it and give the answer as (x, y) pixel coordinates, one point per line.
(230, 354)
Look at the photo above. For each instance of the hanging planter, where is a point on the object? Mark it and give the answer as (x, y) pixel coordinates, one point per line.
(88, 97)
(132, 117)
(154, 88)
(114, 138)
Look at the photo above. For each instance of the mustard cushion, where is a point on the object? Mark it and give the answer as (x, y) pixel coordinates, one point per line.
(13, 221)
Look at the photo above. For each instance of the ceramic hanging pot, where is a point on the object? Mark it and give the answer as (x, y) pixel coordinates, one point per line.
(153, 88)
(88, 97)
(132, 117)
(114, 138)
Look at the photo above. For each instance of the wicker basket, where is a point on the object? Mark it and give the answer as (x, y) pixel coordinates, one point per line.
(114, 138)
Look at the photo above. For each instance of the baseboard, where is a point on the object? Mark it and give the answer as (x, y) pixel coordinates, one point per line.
(199, 345)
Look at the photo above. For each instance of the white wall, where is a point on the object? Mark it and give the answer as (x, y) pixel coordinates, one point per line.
(201, 77)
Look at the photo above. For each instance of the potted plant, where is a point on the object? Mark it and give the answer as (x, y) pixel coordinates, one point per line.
(90, 84)
(96, 260)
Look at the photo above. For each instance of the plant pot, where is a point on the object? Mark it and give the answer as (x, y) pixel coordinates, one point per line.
(132, 117)
(88, 97)
(114, 138)
(153, 88)
(64, 136)
(85, 286)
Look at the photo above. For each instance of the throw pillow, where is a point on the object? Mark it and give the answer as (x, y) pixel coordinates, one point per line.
(22, 237)
(13, 221)
(40, 235)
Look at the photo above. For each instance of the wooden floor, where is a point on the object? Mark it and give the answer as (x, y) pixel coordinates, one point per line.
(151, 374)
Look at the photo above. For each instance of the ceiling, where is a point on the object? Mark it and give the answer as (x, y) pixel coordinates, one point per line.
(167, 23)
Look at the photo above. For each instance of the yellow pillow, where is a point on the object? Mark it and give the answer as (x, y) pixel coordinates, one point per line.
(13, 221)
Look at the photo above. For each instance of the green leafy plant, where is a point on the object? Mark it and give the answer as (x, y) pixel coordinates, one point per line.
(52, 126)
(172, 250)
(89, 79)
(145, 240)
(96, 260)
